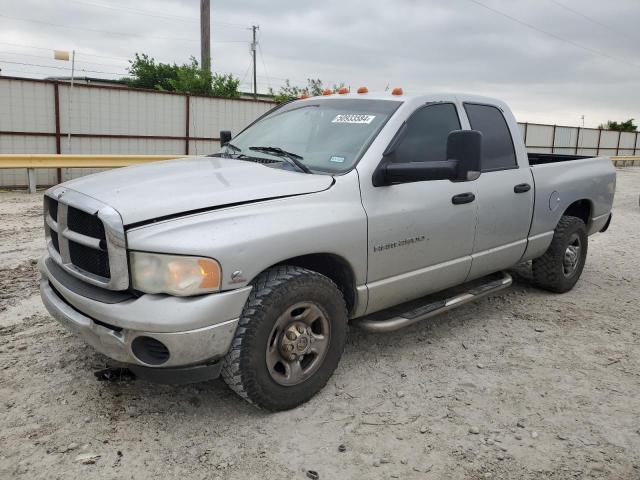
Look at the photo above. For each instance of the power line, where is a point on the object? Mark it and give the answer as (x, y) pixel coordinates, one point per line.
(122, 34)
(264, 65)
(21, 45)
(553, 35)
(156, 14)
(60, 68)
(617, 31)
(51, 58)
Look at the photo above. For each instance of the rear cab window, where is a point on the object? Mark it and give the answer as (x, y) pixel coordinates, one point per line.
(498, 152)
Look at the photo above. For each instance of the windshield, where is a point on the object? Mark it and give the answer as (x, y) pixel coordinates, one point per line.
(327, 135)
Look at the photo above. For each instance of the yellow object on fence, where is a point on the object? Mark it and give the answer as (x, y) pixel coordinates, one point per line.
(77, 161)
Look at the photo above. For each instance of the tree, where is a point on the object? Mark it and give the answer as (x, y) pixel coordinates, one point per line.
(313, 88)
(627, 126)
(188, 78)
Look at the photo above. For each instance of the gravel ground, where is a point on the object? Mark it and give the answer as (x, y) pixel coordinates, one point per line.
(524, 384)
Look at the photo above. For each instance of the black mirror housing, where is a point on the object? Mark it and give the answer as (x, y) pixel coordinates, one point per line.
(225, 137)
(463, 163)
(465, 148)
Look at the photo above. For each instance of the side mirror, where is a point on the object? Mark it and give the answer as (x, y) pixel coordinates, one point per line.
(225, 137)
(464, 154)
(465, 148)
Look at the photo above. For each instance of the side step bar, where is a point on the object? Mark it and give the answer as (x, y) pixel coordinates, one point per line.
(435, 308)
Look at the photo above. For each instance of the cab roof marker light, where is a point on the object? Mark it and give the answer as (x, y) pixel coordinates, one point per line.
(327, 91)
(396, 91)
(363, 90)
(343, 90)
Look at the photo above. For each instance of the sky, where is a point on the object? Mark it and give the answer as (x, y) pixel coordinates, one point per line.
(553, 61)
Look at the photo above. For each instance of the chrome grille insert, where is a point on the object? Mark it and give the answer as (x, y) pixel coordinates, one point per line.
(86, 238)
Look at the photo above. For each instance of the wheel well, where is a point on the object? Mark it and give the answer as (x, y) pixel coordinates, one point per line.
(333, 267)
(580, 209)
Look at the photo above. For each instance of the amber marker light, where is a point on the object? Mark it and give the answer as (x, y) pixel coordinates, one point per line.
(363, 90)
(327, 91)
(396, 91)
(343, 90)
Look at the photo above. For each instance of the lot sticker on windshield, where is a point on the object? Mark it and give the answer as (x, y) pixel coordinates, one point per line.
(353, 118)
(336, 159)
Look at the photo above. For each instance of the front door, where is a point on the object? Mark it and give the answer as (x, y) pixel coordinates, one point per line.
(419, 240)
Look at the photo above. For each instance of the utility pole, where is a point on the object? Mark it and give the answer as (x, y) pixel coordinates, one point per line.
(254, 28)
(205, 34)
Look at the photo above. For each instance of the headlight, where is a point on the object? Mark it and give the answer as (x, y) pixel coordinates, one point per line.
(174, 274)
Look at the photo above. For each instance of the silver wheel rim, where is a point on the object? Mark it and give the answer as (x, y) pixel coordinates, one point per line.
(298, 343)
(571, 258)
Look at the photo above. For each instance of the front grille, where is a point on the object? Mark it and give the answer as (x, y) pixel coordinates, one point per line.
(85, 223)
(86, 238)
(89, 259)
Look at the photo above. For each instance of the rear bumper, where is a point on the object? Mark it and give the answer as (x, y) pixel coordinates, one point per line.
(118, 331)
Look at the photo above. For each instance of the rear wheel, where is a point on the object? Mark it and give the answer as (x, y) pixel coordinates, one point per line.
(289, 339)
(560, 267)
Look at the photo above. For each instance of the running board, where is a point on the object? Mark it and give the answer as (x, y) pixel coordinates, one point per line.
(432, 309)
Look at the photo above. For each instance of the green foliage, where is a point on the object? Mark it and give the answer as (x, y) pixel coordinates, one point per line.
(187, 78)
(313, 88)
(627, 126)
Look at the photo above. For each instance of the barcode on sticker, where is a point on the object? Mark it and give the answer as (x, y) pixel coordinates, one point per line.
(353, 118)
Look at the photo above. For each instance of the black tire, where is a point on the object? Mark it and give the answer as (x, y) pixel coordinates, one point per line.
(275, 291)
(551, 271)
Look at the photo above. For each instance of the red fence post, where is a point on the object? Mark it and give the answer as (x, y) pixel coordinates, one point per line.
(186, 128)
(56, 100)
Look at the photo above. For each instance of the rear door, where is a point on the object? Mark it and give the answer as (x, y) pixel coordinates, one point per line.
(505, 194)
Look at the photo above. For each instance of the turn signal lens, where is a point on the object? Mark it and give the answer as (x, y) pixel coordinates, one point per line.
(363, 90)
(343, 90)
(396, 91)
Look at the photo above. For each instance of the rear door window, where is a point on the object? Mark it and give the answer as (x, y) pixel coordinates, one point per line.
(498, 152)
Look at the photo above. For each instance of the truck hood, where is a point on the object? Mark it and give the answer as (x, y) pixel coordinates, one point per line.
(160, 189)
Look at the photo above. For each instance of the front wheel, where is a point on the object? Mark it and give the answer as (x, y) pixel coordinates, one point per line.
(560, 267)
(289, 339)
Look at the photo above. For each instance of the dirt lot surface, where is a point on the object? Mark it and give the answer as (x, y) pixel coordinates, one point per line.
(521, 385)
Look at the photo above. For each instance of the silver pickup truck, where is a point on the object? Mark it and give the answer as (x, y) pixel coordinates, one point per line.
(373, 209)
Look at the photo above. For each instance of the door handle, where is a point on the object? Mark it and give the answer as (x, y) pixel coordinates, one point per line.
(521, 188)
(463, 198)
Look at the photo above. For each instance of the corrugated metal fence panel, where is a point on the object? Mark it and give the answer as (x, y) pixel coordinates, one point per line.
(539, 138)
(210, 115)
(565, 140)
(627, 142)
(26, 144)
(119, 111)
(26, 106)
(588, 141)
(203, 147)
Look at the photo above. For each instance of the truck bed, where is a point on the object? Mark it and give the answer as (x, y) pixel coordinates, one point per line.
(543, 158)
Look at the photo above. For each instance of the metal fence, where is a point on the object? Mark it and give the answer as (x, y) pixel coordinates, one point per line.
(42, 116)
(578, 140)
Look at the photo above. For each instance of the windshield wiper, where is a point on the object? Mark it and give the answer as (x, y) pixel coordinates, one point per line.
(278, 152)
(232, 147)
